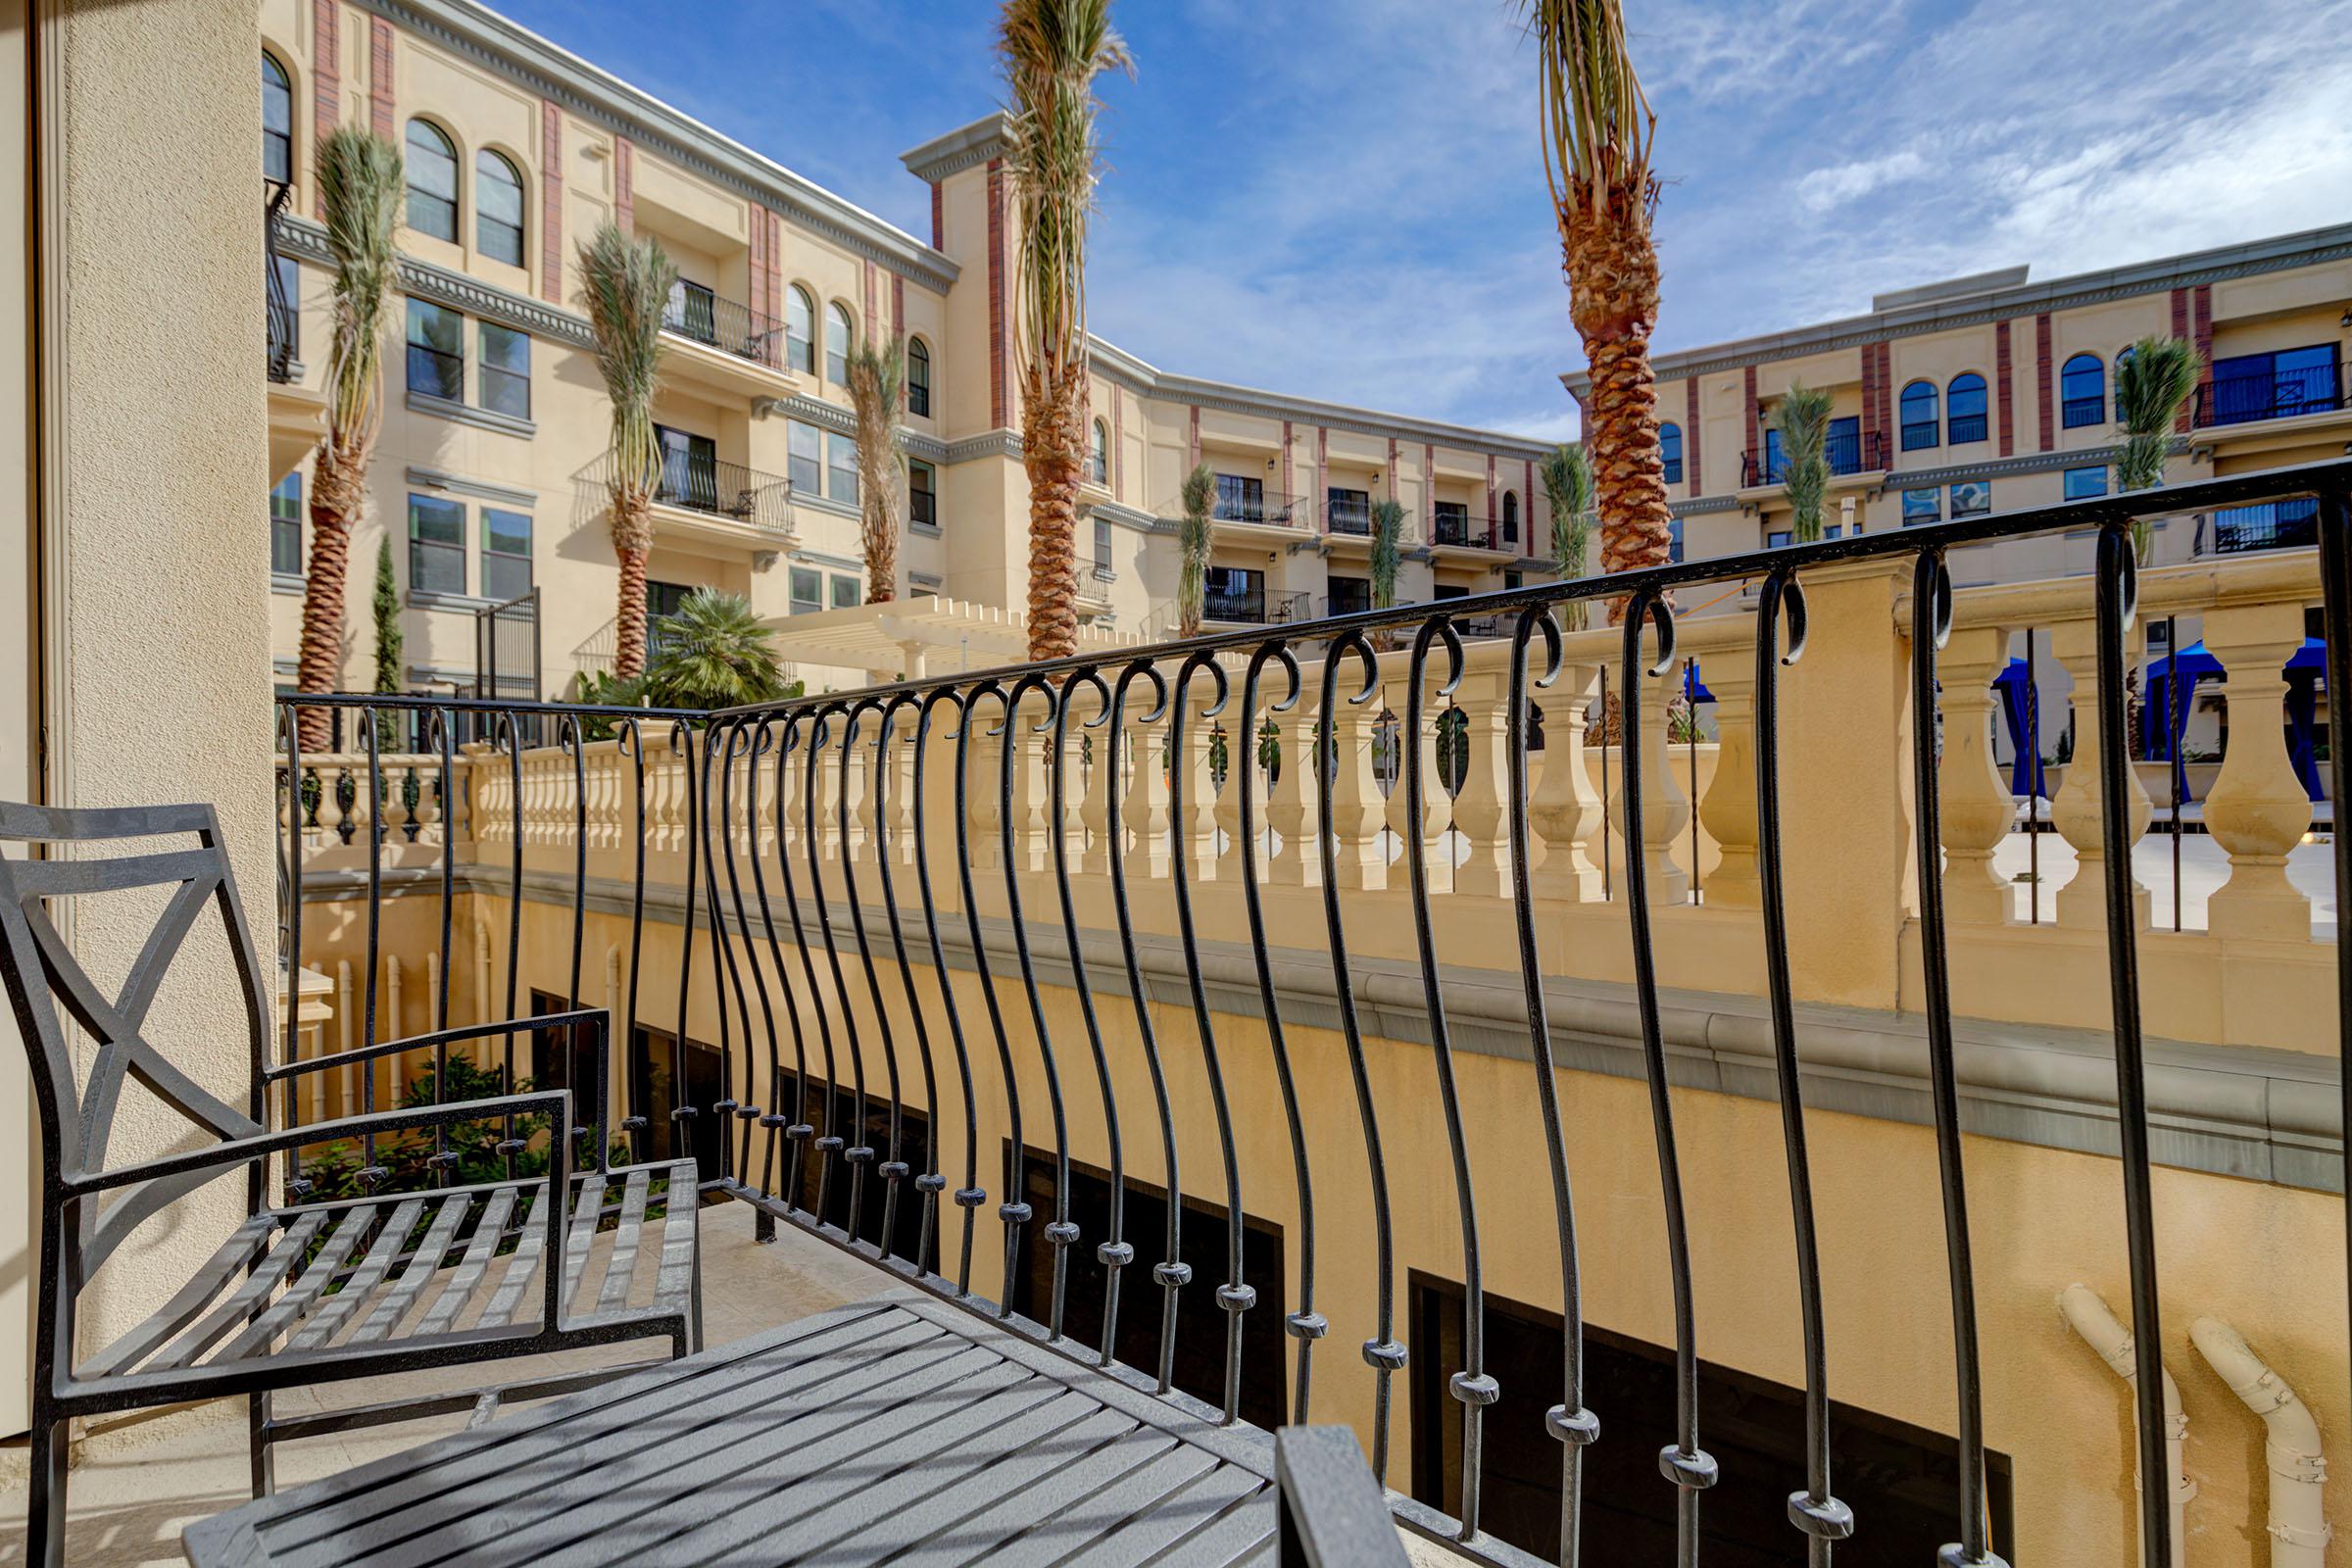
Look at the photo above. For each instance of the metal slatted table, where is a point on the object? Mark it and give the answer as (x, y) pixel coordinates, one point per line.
(901, 1428)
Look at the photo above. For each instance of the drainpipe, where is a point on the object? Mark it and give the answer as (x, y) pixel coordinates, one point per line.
(2299, 1530)
(2089, 1317)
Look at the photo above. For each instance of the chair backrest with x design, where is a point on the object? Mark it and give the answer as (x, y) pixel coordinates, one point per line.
(44, 979)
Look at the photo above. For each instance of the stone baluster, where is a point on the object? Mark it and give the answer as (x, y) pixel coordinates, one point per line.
(1198, 832)
(432, 811)
(1728, 810)
(856, 775)
(2257, 809)
(786, 806)
(332, 814)
(1665, 809)
(1097, 767)
(1225, 811)
(981, 774)
(1972, 800)
(1030, 846)
(1291, 802)
(1073, 802)
(1144, 807)
(1477, 810)
(1418, 730)
(1564, 816)
(2078, 810)
(1361, 861)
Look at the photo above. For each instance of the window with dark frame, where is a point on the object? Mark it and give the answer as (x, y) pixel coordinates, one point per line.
(506, 553)
(506, 371)
(436, 546)
(1674, 547)
(1510, 516)
(1972, 498)
(841, 468)
(1670, 449)
(808, 590)
(1921, 429)
(922, 499)
(800, 330)
(436, 351)
(1964, 419)
(431, 164)
(285, 526)
(497, 208)
(1922, 506)
(846, 594)
(1241, 498)
(1102, 547)
(2081, 484)
(2082, 392)
(839, 334)
(277, 120)
(919, 378)
(805, 460)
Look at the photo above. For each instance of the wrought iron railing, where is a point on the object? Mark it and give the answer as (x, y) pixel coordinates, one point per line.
(2279, 393)
(1272, 508)
(724, 490)
(1456, 528)
(1347, 516)
(1844, 451)
(282, 320)
(880, 887)
(697, 314)
(1256, 606)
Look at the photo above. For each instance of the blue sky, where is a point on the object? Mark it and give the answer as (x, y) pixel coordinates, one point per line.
(1345, 199)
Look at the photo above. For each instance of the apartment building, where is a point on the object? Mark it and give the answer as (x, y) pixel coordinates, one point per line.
(1997, 392)
(489, 482)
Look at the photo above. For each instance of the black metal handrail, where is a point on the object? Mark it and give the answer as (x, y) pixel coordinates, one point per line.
(282, 320)
(697, 313)
(1256, 606)
(1450, 527)
(1272, 508)
(1347, 516)
(724, 490)
(2280, 394)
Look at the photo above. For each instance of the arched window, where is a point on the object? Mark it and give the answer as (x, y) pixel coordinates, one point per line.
(1670, 448)
(1963, 409)
(1510, 514)
(799, 331)
(498, 209)
(1097, 457)
(2083, 391)
(277, 120)
(1918, 416)
(432, 161)
(837, 343)
(2122, 357)
(919, 378)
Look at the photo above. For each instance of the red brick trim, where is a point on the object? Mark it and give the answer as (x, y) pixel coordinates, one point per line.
(1870, 397)
(874, 301)
(996, 293)
(775, 281)
(2004, 392)
(1288, 498)
(1527, 507)
(1392, 467)
(326, 85)
(939, 225)
(2202, 340)
(1689, 448)
(550, 199)
(624, 184)
(2046, 405)
(379, 77)
(1492, 520)
(1887, 387)
(1119, 437)
(897, 308)
(758, 285)
(1429, 490)
(1753, 420)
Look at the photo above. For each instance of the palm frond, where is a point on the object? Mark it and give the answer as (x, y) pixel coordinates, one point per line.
(2153, 380)
(1803, 420)
(628, 283)
(714, 654)
(360, 185)
(1567, 474)
(1193, 543)
(1388, 535)
(1598, 128)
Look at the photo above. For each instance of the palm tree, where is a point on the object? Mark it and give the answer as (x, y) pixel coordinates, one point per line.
(877, 389)
(1052, 51)
(1191, 576)
(1567, 474)
(1802, 422)
(714, 654)
(1597, 135)
(362, 189)
(1387, 533)
(2153, 380)
(628, 283)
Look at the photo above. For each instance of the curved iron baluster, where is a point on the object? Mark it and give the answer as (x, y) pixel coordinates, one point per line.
(1930, 624)
(1473, 1386)
(1569, 1423)
(2335, 593)
(772, 1120)
(928, 1181)
(569, 741)
(298, 1186)
(1306, 1325)
(681, 1109)
(1815, 1511)
(1682, 1461)
(1011, 1211)
(857, 1154)
(441, 1160)
(1384, 1352)
(745, 1113)
(2117, 603)
(1235, 1295)
(893, 1169)
(507, 737)
(1060, 1232)
(803, 1129)
(370, 1173)
(1113, 1253)
(629, 742)
(971, 1195)
(1171, 1272)
(800, 1131)
(718, 749)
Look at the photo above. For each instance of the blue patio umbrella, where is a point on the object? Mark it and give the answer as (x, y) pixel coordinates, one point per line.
(2171, 686)
(1691, 689)
(2019, 699)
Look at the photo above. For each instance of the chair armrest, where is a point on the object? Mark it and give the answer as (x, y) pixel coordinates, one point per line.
(239, 1150)
(602, 1017)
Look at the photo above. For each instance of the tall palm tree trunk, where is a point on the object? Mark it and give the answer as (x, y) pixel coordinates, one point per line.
(629, 621)
(1053, 454)
(1612, 272)
(337, 494)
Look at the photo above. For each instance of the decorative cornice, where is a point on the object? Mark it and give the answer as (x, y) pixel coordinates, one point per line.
(594, 94)
(2310, 248)
(916, 444)
(305, 239)
(2024, 462)
(1132, 517)
(479, 489)
(964, 147)
(991, 444)
(815, 411)
(467, 413)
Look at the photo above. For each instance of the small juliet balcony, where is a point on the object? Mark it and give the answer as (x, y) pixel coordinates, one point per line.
(1454, 530)
(725, 503)
(723, 345)
(1256, 606)
(1850, 454)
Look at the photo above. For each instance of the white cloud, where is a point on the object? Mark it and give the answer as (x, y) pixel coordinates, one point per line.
(1826, 188)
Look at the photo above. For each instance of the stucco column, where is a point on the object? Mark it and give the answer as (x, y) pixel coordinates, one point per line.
(1096, 766)
(1665, 811)
(1144, 807)
(1973, 805)
(1729, 811)
(2076, 811)
(1198, 832)
(980, 766)
(2257, 810)
(1477, 809)
(1225, 838)
(1292, 801)
(1563, 810)
(1355, 803)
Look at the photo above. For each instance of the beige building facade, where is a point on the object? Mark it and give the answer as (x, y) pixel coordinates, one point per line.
(488, 482)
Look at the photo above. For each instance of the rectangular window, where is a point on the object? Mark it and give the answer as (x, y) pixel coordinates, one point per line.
(689, 469)
(1842, 447)
(1347, 594)
(2083, 483)
(506, 553)
(1347, 510)
(1972, 498)
(922, 500)
(692, 311)
(807, 590)
(1922, 506)
(1102, 547)
(807, 467)
(662, 601)
(1674, 548)
(1775, 468)
(285, 526)
(1241, 498)
(1453, 523)
(436, 546)
(436, 352)
(1776, 537)
(2272, 386)
(1234, 593)
(506, 371)
(845, 593)
(2268, 525)
(841, 468)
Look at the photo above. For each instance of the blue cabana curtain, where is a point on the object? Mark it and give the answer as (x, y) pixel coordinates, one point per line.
(2172, 699)
(2016, 686)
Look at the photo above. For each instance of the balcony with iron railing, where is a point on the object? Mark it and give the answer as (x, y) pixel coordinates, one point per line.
(2280, 392)
(1252, 507)
(1848, 452)
(712, 488)
(980, 969)
(1347, 516)
(1256, 606)
(724, 346)
(282, 321)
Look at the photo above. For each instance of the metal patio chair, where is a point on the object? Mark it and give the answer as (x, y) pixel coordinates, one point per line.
(300, 1292)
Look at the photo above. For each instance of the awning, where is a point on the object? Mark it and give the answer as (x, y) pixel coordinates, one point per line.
(907, 638)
